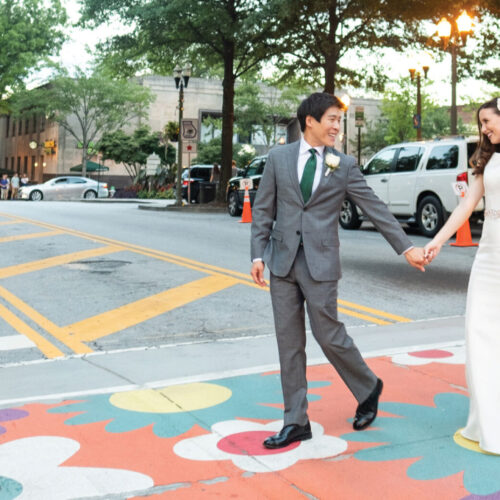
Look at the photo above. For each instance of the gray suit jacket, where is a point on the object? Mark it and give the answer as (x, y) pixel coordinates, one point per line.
(281, 218)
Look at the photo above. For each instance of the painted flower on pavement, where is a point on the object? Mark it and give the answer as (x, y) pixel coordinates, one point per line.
(426, 433)
(11, 414)
(175, 409)
(450, 355)
(241, 442)
(32, 469)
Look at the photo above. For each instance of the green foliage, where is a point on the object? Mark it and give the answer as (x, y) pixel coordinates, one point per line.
(255, 112)
(163, 194)
(85, 106)
(209, 152)
(30, 31)
(133, 149)
(171, 131)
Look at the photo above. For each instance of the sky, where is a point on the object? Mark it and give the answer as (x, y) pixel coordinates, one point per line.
(74, 54)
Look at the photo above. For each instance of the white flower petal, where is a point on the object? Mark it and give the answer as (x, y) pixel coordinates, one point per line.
(47, 453)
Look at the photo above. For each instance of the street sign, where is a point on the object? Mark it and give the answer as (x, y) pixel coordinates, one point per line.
(189, 147)
(152, 163)
(189, 129)
(359, 116)
(246, 183)
(417, 121)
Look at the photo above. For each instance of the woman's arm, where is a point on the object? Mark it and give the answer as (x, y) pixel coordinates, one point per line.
(458, 217)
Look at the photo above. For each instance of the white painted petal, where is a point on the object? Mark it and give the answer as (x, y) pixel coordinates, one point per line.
(201, 448)
(265, 463)
(49, 480)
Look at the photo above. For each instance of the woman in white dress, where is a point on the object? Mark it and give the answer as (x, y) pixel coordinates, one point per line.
(482, 318)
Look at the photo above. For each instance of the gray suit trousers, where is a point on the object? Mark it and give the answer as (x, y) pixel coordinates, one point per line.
(288, 295)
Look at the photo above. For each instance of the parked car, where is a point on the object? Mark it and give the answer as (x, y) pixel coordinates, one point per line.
(199, 174)
(235, 194)
(415, 180)
(65, 188)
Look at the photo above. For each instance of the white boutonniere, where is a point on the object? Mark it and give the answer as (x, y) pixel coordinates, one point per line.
(332, 163)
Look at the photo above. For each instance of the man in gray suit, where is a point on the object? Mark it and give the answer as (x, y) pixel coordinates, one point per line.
(295, 232)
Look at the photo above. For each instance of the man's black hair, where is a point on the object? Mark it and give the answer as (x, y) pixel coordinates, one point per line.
(315, 105)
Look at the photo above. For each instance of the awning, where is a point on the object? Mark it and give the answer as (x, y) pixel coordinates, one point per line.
(92, 166)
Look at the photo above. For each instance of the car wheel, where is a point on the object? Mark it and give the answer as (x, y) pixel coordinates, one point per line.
(233, 204)
(430, 216)
(90, 195)
(349, 218)
(36, 195)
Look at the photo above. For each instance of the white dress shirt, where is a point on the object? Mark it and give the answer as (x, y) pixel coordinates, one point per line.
(304, 155)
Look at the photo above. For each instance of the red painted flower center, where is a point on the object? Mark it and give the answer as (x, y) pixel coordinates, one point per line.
(432, 353)
(250, 443)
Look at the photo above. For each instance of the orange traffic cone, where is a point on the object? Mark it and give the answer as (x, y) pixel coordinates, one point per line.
(247, 209)
(464, 238)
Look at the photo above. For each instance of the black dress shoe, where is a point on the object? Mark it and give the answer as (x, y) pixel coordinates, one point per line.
(367, 410)
(289, 434)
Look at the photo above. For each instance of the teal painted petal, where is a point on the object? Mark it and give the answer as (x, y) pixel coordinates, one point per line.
(9, 489)
(426, 433)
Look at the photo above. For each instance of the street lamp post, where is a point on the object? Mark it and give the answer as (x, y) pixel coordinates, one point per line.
(346, 101)
(181, 77)
(453, 37)
(417, 119)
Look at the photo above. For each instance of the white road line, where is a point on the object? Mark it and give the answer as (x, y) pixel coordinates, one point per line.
(11, 342)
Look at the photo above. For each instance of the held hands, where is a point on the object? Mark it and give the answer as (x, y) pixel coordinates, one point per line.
(417, 258)
(257, 273)
(431, 250)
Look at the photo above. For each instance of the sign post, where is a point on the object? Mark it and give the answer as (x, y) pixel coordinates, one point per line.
(359, 117)
(152, 163)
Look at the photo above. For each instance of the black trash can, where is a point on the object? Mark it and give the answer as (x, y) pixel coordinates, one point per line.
(207, 192)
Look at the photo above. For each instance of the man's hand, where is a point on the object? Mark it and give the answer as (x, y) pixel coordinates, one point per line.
(416, 258)
(257, 273)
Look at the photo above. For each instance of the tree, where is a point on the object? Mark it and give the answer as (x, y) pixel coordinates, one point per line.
(133, 149)
(85, 106)
(261, 112)
(30, 30)
(332, 43)
(235, 35)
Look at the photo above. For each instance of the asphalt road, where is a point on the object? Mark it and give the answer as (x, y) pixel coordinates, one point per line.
(80, 277)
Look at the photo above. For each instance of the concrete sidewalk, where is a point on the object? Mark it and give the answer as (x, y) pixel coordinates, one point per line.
(187, 421)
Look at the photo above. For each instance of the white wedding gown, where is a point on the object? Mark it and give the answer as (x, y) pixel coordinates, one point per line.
(482, 323)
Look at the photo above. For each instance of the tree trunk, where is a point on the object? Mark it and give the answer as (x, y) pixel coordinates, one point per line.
(227, 120)
(331, 54)
(84, 160)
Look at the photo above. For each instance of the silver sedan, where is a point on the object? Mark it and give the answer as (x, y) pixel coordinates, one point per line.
(65, 188)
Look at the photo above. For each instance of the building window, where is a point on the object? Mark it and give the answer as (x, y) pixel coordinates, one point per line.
(42, 161)
(25, 167)
(12, 163)
(33, 161)
(20, 127)
(42, 123)
(18, 169)
(6, 164)
(34, 124)
(13, 128)
(27, 126)
(7, 127)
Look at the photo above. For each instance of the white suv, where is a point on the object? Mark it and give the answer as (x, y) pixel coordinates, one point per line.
(415, 180)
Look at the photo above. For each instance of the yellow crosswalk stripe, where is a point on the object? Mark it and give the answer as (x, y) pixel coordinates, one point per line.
(137, 312)
(28, 267)
(29, 236)
(47, 348)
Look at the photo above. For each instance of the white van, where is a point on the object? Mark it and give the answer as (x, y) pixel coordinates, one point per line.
(415, 180)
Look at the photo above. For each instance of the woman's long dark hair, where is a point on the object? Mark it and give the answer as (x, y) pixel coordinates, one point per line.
(485, 148)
